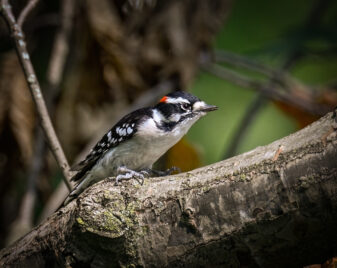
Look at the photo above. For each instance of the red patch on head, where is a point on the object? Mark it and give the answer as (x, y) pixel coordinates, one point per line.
(163, 99)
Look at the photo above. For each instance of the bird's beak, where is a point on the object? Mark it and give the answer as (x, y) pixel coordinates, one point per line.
(201, 106)
(209, 108)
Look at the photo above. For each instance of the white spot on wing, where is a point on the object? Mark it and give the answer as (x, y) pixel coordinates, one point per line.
(129, 130)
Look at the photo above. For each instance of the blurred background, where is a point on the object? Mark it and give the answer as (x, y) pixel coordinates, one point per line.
(271, 67)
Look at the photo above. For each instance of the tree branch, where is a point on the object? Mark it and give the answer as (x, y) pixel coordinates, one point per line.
(35, 89)
(24, 13)
(244, 62)
(240, 133)
(272, 90)
(61, 44)
(25, 219)
(250, 210)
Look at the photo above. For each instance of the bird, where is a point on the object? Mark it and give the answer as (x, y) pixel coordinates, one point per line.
(130, 148)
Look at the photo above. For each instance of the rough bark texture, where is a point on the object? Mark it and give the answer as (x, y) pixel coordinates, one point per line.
(270, 207)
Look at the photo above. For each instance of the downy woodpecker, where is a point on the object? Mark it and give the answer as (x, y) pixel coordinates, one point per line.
(130, 148)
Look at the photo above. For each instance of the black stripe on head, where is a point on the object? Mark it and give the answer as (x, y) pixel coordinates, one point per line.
(167, 109)
(176, 102)
(168, 126)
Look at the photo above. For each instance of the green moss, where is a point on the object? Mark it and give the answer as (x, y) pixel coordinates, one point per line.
(80, 221)
(305, 185)
(119, 219)
(243, 177)
(89, 229)
(206, 188)
(145, 230)
(111, 223)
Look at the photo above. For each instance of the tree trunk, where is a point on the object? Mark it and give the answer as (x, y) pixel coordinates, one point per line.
(275, 206)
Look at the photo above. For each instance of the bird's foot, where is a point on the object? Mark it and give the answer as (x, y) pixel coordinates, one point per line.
(165, 172)
(127, 174)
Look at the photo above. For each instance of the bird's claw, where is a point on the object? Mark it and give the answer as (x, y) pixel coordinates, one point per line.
(166, 172)
(127, 174)
(169, 171)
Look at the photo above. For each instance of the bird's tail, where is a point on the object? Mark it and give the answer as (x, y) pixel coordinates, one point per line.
(78, 189)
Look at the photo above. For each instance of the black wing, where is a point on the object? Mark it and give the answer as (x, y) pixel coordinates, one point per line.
(119, 133)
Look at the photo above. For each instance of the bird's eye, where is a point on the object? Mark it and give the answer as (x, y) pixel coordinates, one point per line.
(185, 106)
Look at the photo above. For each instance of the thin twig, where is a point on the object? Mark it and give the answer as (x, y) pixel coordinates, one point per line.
(61, 44)
(26, 210)
(270, 89)
(54, 76)
(279, 76)
(24, 13)
(35, 90)
(245, 123)
(25, 219)
(244, 62)
(278, 152)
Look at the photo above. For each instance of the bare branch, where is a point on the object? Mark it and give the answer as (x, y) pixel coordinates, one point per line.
(61, 44)
(248, 118)
(35, 89)
(25, 219)
(294, 95)
(24, 13)
(244, 62)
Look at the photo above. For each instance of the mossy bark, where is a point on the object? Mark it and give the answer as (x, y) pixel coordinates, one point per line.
(275, 206)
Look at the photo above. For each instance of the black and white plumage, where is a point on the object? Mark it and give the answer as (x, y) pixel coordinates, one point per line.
(134, 144)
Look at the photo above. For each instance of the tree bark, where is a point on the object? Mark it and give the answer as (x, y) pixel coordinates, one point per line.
(274, 206)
